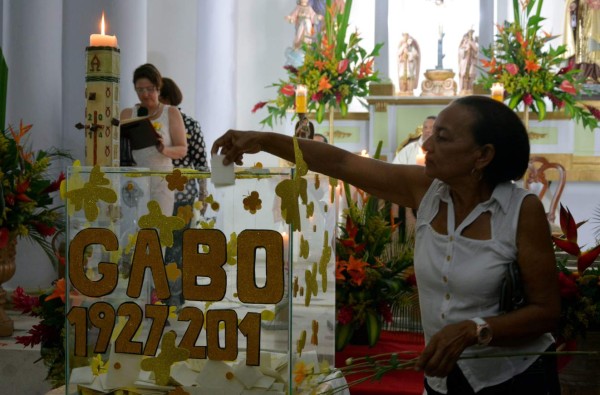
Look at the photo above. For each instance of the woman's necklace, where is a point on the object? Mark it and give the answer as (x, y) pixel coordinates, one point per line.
(151, 116)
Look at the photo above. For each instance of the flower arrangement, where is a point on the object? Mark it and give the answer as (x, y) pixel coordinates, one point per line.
(50, 332)
(335, 71)
(26, 191)
(531, 70)
(579, 289)
(372, 271)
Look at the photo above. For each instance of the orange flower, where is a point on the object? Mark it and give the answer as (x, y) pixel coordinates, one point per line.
(22, 132)
(531, 65)
(340, 267)
(356, 270)
(500, 28)
(60, 291)
(489, 64)
(366, 69)
(320, 64)
(519, 37)
(324, 84)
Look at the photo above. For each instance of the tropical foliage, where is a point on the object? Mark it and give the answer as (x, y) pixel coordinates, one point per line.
(335, 71)
(533, 71)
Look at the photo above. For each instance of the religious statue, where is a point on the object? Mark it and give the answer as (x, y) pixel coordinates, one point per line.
(582, 36)
(305, 18)
(409, 61)
(467, 62)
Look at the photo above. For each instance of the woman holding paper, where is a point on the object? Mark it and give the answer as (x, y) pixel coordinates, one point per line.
(168, 123)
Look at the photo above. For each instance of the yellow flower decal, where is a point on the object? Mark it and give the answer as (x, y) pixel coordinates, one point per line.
(312, 287)
(98, 365)
(173, 272)
(317, 181)
(185, 213)
(257, 165)
(325, 256)
(267, 315)
(157, 126)
(176, 180)
(300, 343)
(232, 249)
(252, 203)
(169, 354)
(213, 204)
(165, 225)
(207, 225)
(291, 190)
(304, 247)
(93, 191)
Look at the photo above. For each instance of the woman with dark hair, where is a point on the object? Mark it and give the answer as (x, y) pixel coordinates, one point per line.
(167, 121)
(472, 223)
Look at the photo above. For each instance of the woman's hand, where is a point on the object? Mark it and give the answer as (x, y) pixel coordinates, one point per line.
(234, 144)
(445, 347)
(160, 146)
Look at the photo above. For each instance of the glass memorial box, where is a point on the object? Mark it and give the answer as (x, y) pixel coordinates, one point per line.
(232, 291)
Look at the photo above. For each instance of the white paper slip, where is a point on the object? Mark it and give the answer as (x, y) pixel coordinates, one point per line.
(221, 174)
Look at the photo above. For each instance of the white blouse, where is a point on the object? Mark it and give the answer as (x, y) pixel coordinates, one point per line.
(459, 278)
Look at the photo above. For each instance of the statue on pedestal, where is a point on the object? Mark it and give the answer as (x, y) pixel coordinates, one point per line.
(439, 81)
(467, 61)
(409, 61)
(306, 20)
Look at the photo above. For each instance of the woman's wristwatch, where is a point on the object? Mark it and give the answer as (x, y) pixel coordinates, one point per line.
(483, 331)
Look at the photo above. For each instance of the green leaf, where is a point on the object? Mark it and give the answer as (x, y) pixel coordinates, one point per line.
(514, 100)
(343, 334)
(373, 323)
(320, 112)
(541, 106)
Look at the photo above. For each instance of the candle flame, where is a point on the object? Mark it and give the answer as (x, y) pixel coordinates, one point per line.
(102, 24)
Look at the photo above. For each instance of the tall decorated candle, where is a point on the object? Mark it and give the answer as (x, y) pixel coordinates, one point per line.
(301, 99)
(102, 99)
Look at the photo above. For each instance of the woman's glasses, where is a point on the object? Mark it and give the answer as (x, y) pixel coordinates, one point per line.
(149, 89)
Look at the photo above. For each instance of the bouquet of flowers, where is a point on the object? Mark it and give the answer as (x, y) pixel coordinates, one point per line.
(372, 270)
(531, 71)
(580, 288)
(335, 71)
(50, 332)
(26, 191)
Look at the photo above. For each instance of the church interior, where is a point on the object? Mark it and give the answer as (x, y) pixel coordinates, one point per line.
(70, 70)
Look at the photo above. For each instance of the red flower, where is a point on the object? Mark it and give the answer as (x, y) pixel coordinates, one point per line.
(512, 68)
(55, 185)
(489, 64)
(569, 67)
(258, 106)
(556, 101)
(23, 302)
(291, 69)
(342, 66)
(594, 111)
(44, 229)
(567, 286)
(569, 243)
(288, 90)
(37, 334)
(366, 69)
(345, 315)
(527, 99)
(567, 86)
(317, 96)
(386, 312)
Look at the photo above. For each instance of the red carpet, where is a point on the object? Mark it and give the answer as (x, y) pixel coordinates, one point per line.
(401, 382)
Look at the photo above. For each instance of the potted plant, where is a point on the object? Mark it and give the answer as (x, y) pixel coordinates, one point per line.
(372, 270)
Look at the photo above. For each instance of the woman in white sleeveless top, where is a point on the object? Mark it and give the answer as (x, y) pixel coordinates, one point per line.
(168, 123)
(472, 222)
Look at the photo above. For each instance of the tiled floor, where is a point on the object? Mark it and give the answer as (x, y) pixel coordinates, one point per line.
(19, 373)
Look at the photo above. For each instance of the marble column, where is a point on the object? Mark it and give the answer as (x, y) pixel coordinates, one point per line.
(381, 36)
(216, 65)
